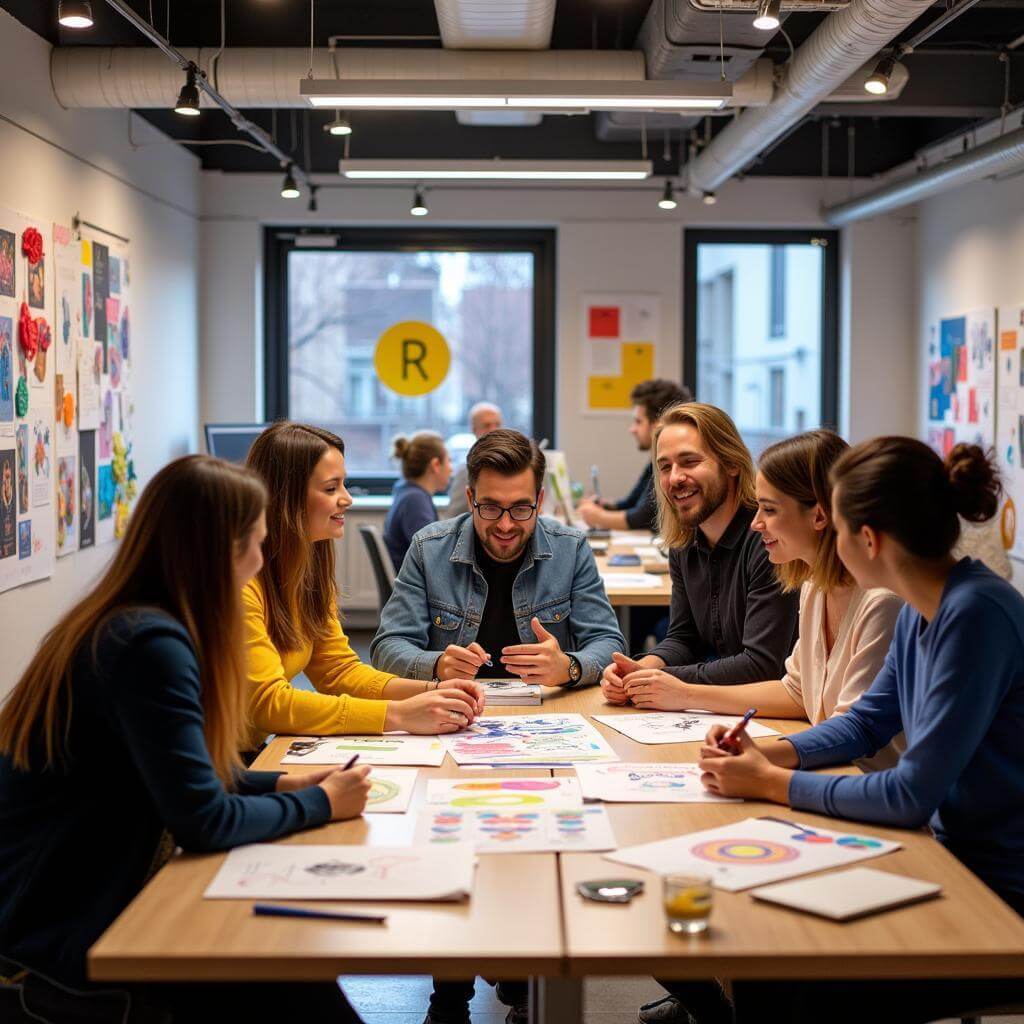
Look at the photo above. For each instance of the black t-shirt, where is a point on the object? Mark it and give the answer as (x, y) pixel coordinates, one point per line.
(498, 625)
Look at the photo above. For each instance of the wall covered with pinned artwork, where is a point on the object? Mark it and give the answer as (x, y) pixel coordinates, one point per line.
(55, 164)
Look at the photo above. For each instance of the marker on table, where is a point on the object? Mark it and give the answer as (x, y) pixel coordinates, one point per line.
(731, 740)
(276, 910)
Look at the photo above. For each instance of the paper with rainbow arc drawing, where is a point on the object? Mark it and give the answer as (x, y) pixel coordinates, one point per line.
(753, 852)
(290, 872)
(501, 794)
(675, 726)
(536, 740)
(508, 830)
(645, 783)
(391, 790)
(387, 749)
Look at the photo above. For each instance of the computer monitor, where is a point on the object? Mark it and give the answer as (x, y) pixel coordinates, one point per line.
(232, 441)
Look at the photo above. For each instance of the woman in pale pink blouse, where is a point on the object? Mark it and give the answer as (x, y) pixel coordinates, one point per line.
(844, 631)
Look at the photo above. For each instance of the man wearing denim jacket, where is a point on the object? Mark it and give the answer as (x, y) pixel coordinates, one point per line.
(497, 592)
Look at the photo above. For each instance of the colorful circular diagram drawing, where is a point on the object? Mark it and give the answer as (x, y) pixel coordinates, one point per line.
(382, 790)
(744, 851)
(811, 837)
(859, 843)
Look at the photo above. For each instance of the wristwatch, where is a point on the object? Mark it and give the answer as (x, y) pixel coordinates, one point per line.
(575, 669)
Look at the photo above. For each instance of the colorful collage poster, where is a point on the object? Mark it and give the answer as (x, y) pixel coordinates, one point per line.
(1010, 426)
(961, 381)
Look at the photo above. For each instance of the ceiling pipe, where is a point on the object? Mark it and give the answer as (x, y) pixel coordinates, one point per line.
(840, 45)
(997, 156)
(242, 123)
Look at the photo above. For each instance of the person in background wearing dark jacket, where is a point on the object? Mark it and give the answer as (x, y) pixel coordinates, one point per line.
(426, 471)
(127, 725)
(638, 510)
(729, 620)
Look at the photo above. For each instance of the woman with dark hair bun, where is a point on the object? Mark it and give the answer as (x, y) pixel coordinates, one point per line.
(953, 680)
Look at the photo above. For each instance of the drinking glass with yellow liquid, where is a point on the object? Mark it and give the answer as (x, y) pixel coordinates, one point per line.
(687, 900)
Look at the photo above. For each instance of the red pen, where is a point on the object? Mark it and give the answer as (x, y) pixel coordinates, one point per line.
(730, 741)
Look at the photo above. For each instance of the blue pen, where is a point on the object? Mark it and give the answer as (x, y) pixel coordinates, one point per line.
(731, 739)
(276, 910)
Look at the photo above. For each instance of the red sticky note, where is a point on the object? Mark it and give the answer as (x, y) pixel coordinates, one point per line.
(604, 322)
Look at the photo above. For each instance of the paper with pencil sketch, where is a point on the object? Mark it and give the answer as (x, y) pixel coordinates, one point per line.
(675, 726)
(754, 852)
(535, 740)
(645, 783)
(299, 872)
(391, 748)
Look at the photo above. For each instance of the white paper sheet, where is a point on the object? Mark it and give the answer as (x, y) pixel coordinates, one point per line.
(537, 740)
(631, 579)
(517, 831)
(754, 852)
(645, 783)
(299, 872)
(391, 748)
(505, 794)
(675, 726)
(391, 790)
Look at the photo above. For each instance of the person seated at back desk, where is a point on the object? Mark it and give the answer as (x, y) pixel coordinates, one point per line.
(497, 592)
(426, 471)
(483, 418)
(638, 510)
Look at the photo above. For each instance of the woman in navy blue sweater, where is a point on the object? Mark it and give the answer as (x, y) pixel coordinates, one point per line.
(953, 680)
(127, 725)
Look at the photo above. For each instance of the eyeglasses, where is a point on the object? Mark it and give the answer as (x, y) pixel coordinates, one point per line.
(519, 513)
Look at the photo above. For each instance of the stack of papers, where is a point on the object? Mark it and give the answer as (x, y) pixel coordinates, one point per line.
(298, 872)
(503, 693)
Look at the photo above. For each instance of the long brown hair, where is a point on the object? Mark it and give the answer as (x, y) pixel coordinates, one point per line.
(899, 486)
(799, 467)
(297, 575)
(723, 442)
(177, 556)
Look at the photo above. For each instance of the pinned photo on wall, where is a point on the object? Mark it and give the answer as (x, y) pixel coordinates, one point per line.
(37, 284)
(106, 433)
(114, 265)
(8, 262)
(42, 462)
(100, 293)
(67, 505)
(21, 448)
(24, 540)
(104, 492)
(6, 376)
(90, 365)
(87, 488)
(8, 505)
(86, 309)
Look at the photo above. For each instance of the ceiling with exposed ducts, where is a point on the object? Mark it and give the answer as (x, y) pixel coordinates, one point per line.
(965, 74)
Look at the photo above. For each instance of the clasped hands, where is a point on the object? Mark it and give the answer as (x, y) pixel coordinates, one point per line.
(627, 681)
(543, 662)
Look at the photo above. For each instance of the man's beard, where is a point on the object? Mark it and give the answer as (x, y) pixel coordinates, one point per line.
(506, 554)
(713, 497)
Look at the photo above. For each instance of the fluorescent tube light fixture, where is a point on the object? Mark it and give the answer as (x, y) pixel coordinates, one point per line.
(554, 97)
(495, 170)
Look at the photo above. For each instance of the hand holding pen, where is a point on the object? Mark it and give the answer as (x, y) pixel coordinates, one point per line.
(727, 741)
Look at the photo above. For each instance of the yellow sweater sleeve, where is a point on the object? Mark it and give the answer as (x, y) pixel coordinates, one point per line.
(275, 706)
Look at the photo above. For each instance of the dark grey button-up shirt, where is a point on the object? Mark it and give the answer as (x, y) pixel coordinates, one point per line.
(730, 622)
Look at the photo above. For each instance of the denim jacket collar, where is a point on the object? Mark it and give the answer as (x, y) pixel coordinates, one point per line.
(539, 546)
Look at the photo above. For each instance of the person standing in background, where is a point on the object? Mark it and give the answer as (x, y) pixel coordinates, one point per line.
(638, 510)
(483, 418)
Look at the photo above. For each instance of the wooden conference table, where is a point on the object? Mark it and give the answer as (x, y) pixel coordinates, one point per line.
(525, 917)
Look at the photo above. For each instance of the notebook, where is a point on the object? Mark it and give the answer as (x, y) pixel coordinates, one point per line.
(511, 692)
(845, 895)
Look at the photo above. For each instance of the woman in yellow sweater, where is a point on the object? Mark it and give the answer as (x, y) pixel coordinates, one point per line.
(291, 612)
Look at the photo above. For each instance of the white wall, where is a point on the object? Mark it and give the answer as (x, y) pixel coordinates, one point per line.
(151, 196)
(971, 246)
(613, 239)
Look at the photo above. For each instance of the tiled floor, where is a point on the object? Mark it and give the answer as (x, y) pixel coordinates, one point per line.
(403, 1000)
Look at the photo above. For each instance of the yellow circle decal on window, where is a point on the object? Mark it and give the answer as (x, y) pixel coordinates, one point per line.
(412, 358)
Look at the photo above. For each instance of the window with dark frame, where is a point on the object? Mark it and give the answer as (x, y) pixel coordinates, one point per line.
(490, 293)
(772, 384)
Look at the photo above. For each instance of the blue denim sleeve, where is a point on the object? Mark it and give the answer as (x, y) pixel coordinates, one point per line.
(592, 622)
(156, 700)
(400, 645)
(951, 721)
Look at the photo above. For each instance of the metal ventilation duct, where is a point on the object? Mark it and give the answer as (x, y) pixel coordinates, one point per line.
(838, 47)
(998, 156)
(495, 24)
(253, 77)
